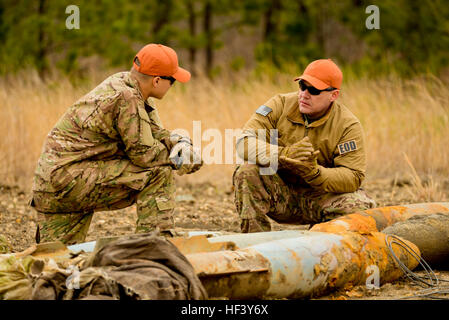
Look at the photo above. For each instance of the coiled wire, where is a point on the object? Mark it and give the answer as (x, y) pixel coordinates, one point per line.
(430, 282)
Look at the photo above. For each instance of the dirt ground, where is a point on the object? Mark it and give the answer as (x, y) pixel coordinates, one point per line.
(209, 207)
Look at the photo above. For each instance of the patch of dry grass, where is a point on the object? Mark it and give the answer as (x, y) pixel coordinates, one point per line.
(400, 117)
(420, 190)
(410, 117)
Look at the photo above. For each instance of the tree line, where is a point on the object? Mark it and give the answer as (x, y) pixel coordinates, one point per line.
(413, 36)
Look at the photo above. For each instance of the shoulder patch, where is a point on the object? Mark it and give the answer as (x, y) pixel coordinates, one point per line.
(347, 146)
(263, 110)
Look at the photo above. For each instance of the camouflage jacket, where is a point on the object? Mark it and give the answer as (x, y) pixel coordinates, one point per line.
(111, 122)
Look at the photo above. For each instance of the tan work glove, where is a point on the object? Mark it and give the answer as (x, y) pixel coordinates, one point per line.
(298, 150)
(185, 158)
(305, 166)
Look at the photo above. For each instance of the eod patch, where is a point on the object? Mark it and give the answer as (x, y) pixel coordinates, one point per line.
(347, 146)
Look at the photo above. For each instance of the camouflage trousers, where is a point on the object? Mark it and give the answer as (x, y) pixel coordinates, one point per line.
(5, 246)
(66, 215)
(260, 196)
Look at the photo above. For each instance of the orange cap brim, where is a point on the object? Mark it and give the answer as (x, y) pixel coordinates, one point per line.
(313, 81)
(182, 75)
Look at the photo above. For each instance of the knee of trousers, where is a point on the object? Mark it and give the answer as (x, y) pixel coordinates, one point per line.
(165, 171)
(245, 172)
(163, 174)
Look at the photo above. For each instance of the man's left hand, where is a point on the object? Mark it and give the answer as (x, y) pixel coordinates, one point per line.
(305, 167)
(186, 158)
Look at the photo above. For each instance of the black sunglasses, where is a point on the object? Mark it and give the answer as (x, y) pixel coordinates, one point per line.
(312, 90)
(172, 80)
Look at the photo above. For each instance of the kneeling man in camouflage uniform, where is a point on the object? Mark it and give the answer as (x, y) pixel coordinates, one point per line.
(109, 151)
(319, 154)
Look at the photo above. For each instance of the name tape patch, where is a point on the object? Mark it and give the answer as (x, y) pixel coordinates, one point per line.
(346, 147)
(263, 110)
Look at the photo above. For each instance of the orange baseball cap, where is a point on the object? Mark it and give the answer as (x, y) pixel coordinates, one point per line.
(322, 74)
(159, 60)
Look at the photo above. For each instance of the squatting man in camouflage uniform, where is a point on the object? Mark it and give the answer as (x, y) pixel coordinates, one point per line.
(320, 156)
(110, 150)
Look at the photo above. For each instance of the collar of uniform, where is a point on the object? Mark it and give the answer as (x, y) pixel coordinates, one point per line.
(295, 115)
(149, 103)
(133, 84)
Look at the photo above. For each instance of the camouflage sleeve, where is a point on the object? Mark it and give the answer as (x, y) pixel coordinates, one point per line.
(349, 162)
(135, 129)
(161, 134)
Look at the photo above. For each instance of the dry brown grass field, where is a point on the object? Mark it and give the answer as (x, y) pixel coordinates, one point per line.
(406, 121)
(406, 125)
